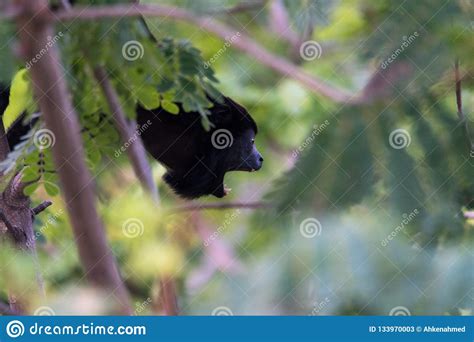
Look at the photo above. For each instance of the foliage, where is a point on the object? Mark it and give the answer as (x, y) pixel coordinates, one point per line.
(388, 212)
(21, 99)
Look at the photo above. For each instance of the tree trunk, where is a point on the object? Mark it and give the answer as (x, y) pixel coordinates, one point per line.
(34, 29)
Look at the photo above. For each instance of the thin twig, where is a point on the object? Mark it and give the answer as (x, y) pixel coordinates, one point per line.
(222, 206)
(169, 297)
(461, 115)
(280, 23)
(135, 151)
(41, 207)
(65, 4)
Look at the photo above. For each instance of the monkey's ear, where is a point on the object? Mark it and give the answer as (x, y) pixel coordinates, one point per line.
(232, 116)
(234, 105)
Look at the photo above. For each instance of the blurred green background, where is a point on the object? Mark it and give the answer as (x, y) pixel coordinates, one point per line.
(369, 199)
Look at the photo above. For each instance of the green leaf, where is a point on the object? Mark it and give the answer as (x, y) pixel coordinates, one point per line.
(209, 73)
(170, 107)
(29, 175)
(32, 159)
(206, 124)
(51, 188)
(20, 98)
(148, 97)
(213, 92)
(165, 85)
(30, 189)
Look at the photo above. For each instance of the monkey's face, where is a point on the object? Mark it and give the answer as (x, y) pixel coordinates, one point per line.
(241, 154)
(244, 155)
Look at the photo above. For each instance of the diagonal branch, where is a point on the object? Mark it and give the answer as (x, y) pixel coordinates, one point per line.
(137, 155)
(241, 42)
(136, 152)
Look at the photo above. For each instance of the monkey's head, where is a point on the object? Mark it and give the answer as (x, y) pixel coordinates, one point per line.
(198, 160)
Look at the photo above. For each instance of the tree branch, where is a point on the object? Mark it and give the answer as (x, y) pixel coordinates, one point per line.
(41, 207)
(34, 27)
(169, 297)
(136, 152)
(222, 206)
(137, 156)
(280, 23)
(461, 115)
(242, 42)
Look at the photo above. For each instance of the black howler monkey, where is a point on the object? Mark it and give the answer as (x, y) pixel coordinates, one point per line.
(197, 160)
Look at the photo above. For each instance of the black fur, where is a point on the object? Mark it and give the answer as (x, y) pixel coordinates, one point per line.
(195, 166)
